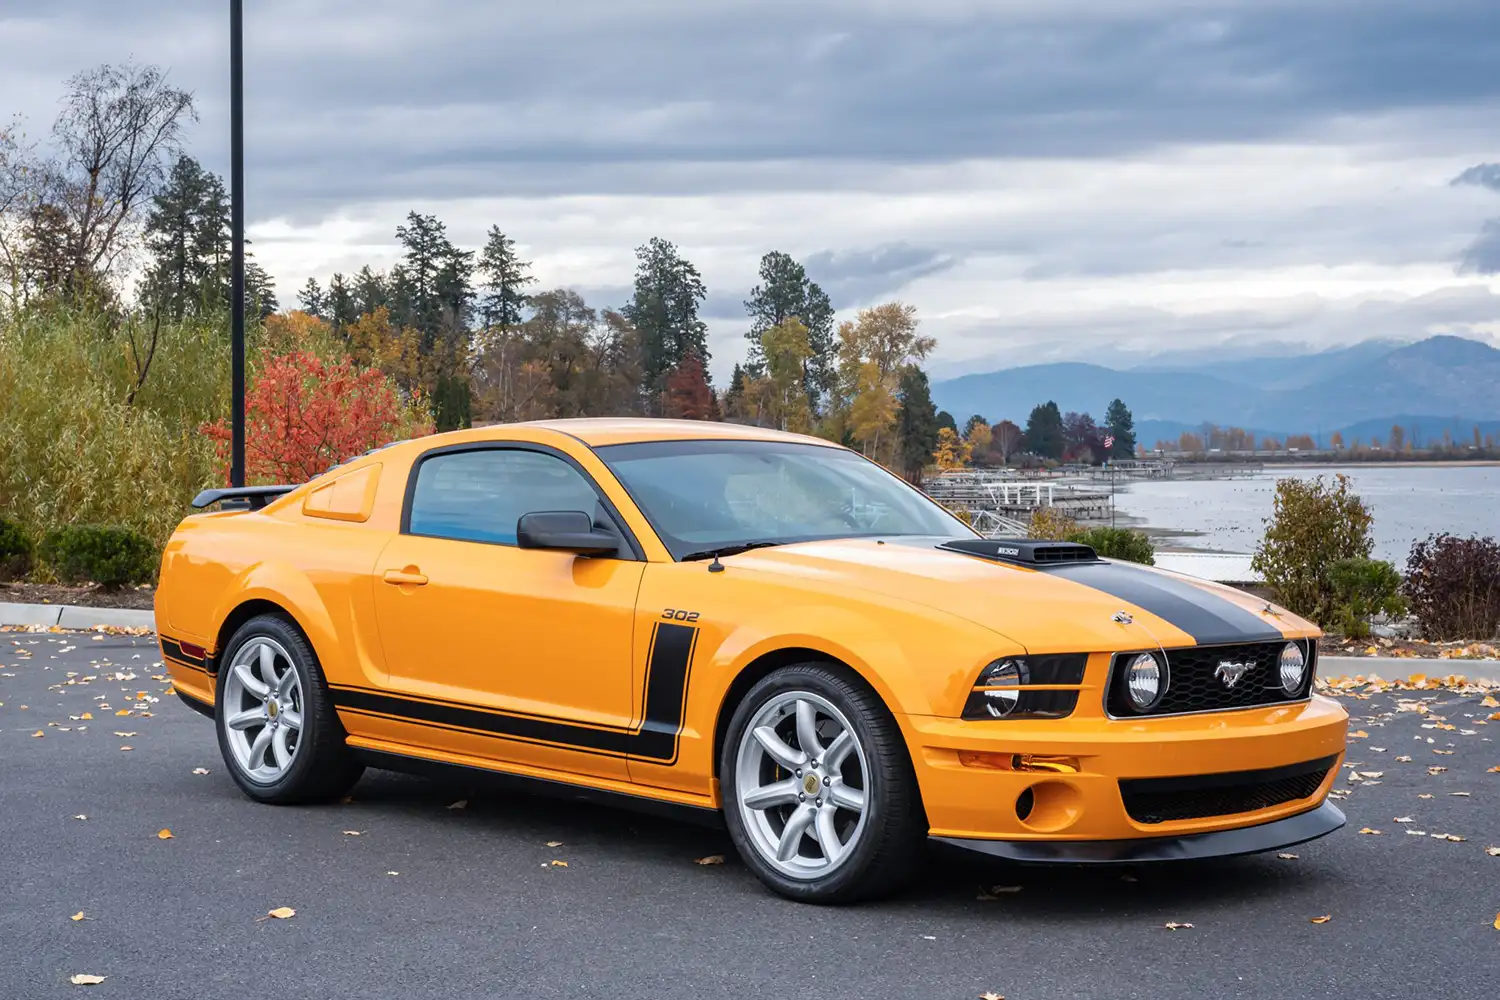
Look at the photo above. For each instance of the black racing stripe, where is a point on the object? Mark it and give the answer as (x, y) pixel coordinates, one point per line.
(1207, 617)
(172, 648)
(185, 664)
(667, 670)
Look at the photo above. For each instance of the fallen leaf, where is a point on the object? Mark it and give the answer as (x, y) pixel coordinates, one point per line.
(80, 816)
(1490, 702)
(1404, 759)
(281, 913)
(1417, 833)
(39, 735)
(1368, 830)
(992, 995)
(1359, 734)
(125, 736)
(1403, 819)
(1445, 753)
(351, 833)
(1288, 856)
(559, 864)
(393, 873)
(1424, 795)
(1459, 795)
(1371, 774)
(77, 916)
(1497, 921)
(460, 804)
(163, 834)
(87, 715)
(712, 859)
(126, 749)
(200, 770)
(1323, 919)
(1492, 770)
(123, 711)
(1173, 925)
(1493, 852)
(83, 979)
(554, 843)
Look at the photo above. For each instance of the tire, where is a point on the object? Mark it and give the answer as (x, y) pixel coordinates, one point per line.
(879, 844)
(302, 762)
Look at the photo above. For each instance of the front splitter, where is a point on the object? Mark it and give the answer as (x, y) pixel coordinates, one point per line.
(1193, 846)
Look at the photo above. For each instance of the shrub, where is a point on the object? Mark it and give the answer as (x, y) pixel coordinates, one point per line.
(1117, 543)
(1364, 588)
(1454, 587)
(1314, 525)
(1051, 524)
(108, 556)
(16, 551)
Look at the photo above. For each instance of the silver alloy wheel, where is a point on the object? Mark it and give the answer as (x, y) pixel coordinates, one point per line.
(800, 778)
(262, 711)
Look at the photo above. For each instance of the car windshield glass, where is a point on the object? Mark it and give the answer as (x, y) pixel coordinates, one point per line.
(702, 495)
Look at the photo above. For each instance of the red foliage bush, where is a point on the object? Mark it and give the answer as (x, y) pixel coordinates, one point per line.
(1453, 585)
(303, 415)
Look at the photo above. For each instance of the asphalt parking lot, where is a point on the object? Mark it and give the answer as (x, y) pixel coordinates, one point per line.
(399, 894)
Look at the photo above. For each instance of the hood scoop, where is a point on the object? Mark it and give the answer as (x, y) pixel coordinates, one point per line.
(1024, 551)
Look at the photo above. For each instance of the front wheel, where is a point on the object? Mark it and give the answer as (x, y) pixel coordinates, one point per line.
(278, 731)
(819, 794)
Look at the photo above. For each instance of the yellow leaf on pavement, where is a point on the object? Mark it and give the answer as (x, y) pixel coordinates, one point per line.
(1490, 702)
(39, 735)
(163, 834)
(991, 995)
(1288, 856)
(1358, 734)
(282, 913)
(559, 864)
(351, 833)
(83, 979)
(1366, 829)
(554, 843)
(1323, 919)
(712, 859)
(77, 916)
(1497, 921)
(87, 715)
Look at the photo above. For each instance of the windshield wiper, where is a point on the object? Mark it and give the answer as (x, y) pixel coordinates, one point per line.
(726, 550)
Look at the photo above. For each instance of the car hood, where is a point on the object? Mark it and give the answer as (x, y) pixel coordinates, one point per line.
(1068, 608)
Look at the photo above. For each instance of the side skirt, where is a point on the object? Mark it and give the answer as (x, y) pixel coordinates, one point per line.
(203, 708)
(504, 781)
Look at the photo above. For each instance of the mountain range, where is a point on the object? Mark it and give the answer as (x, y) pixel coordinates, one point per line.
(1439, 383)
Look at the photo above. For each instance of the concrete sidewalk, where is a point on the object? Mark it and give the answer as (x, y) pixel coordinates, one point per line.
(69, 616)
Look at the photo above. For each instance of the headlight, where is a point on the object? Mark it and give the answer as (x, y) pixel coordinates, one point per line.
(1001, 673)
(1293, 668)
(1145, 681)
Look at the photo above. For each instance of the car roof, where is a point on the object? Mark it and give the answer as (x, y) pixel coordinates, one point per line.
(601, 431)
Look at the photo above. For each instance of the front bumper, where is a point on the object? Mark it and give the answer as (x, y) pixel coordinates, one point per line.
(967, 802)
(1298, 829)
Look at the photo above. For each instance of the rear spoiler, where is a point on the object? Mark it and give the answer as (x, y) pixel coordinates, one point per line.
(241, 497)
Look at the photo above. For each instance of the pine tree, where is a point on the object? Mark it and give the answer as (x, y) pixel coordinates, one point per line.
(506, 276)
(371, 291)
(312, 300)
(916, 423)
(187, 235)
(1044, 431)
(1121, 426)
(342, 310)
(664, 309)
(785, 292)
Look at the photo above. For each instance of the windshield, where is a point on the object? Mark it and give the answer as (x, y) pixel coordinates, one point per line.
(703, 495)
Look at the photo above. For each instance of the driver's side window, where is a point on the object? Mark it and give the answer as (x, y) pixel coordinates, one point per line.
(479, 495)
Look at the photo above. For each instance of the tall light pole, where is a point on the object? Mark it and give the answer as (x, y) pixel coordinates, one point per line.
(237, 251)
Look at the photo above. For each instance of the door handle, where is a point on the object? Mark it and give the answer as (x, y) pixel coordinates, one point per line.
(409, 577)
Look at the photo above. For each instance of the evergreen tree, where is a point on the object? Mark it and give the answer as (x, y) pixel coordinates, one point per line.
(506, 276)
(1044, 431)
(371, 291)
(187, 235)
(450, 402)
(432, 286)
(784, 293)
(312, 300)
(664, 309)
(342, 310)
(945, 419)
(916, 423)
(734, 396)
(1121, 427)
(260, 290)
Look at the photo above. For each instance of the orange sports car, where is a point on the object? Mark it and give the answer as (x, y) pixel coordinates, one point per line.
(740, 621)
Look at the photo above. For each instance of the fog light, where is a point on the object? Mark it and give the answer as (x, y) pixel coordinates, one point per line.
(1293, 668)
(1146, 681)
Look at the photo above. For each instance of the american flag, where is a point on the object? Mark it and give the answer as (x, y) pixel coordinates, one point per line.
(1109, 441)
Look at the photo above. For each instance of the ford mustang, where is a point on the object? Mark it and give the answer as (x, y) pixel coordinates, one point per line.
(746, 623)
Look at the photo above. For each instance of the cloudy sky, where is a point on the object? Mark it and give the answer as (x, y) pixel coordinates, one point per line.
(1044, 179)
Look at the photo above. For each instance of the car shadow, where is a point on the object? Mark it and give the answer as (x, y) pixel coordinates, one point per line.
(952, 881)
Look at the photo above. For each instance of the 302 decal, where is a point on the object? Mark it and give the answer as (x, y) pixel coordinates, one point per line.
(678, 615)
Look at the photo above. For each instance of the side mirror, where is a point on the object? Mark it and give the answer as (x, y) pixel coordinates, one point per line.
(565, 531)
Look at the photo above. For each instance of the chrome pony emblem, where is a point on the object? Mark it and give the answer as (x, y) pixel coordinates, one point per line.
(1230, 672)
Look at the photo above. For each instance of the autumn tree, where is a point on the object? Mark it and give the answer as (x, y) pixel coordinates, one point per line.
(664, 310)
(786, 293)
(1006, 438)
(952, 451)
(688, 395)
(303, 415)
(876, 351)
(1336, 441)
(1398, 438)
(781, 394)
(1083, 441)
(874, 412)
(978, 436)
(1190, 443)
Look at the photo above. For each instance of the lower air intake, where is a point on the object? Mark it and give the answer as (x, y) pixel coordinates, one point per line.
(1160, 800)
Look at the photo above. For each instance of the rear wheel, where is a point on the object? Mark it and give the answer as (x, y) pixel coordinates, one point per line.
(819, 794)
(278, 731)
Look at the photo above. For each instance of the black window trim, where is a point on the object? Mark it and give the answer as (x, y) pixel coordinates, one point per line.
(635, 554)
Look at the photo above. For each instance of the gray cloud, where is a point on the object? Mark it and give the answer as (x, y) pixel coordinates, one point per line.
(1483, 255)
(860, 277)
(1481, 175)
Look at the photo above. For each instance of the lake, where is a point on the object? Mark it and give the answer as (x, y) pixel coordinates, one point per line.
(1409, 503)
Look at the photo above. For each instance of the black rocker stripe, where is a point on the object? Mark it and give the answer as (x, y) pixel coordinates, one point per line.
(656, 738)
(1207, 617)
(172, 650)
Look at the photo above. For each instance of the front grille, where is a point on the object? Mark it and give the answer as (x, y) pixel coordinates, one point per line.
(1158, 800)
(1193, 687)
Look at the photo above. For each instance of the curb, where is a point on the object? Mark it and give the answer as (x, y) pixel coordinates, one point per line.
(69, 616)
(1392, 667)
